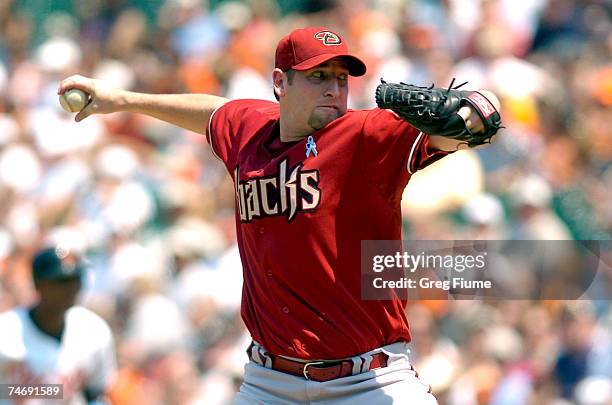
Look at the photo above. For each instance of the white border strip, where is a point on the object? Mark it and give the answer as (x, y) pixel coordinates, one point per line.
(209, 135)
(414, 145)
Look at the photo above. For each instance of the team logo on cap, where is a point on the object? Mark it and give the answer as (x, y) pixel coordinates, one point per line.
(67, 258)
(62, 252)
(328, 38)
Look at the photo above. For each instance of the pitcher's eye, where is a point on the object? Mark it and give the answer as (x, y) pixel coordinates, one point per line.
(318, 75)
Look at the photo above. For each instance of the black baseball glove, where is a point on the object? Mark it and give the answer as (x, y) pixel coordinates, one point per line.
(434, 110)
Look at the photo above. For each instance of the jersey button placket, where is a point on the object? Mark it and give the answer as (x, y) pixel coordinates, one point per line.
(286, 309)
(269, 272)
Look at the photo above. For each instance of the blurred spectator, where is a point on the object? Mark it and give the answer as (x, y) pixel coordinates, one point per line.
(586, 348)
(54, 341)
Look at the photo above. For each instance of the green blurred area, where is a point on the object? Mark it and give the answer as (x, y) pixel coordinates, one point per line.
(38, 10)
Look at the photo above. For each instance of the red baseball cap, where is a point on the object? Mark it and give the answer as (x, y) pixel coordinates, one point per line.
(308, 47)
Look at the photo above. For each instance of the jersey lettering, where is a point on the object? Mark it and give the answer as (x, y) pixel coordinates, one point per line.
(252, 199)
(289, 191)
(265, 199)
(310, 190)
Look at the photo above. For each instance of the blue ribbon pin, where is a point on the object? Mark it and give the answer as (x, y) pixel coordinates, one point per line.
(311, 146)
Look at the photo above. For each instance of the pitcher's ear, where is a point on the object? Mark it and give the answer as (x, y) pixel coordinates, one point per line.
(279, 81)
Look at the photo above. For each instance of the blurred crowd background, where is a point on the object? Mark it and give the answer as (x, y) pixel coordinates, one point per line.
(153, 211)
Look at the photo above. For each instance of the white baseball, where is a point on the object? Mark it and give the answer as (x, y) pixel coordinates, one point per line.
(73, 100)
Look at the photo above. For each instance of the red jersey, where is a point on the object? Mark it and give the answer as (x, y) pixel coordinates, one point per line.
(301, 219)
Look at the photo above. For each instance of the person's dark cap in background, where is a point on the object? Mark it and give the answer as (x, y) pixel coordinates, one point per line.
(56, 263)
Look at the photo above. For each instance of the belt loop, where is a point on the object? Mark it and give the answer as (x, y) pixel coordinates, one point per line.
(357, 363)
(367, 360)
(267, 360)
(255, 356)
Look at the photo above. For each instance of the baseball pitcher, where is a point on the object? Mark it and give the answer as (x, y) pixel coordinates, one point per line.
(312, 180)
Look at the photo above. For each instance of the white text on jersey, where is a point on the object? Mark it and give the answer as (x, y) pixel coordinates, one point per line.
(289, 191)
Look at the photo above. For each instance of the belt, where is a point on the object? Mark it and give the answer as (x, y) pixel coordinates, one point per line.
(322, 371)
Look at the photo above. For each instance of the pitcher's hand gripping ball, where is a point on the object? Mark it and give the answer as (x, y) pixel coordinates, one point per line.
(73, 100)
(434, 110)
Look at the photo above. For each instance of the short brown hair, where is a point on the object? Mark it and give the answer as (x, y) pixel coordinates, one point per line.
(290, 74)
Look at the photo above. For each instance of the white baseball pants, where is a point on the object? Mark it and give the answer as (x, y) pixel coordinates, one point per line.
(395, 384)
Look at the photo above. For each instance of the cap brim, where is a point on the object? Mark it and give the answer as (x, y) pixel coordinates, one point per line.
(355, 66)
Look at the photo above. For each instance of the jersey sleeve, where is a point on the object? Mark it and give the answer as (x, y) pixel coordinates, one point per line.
(221, 131)
(394, 150)
(104, 363)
